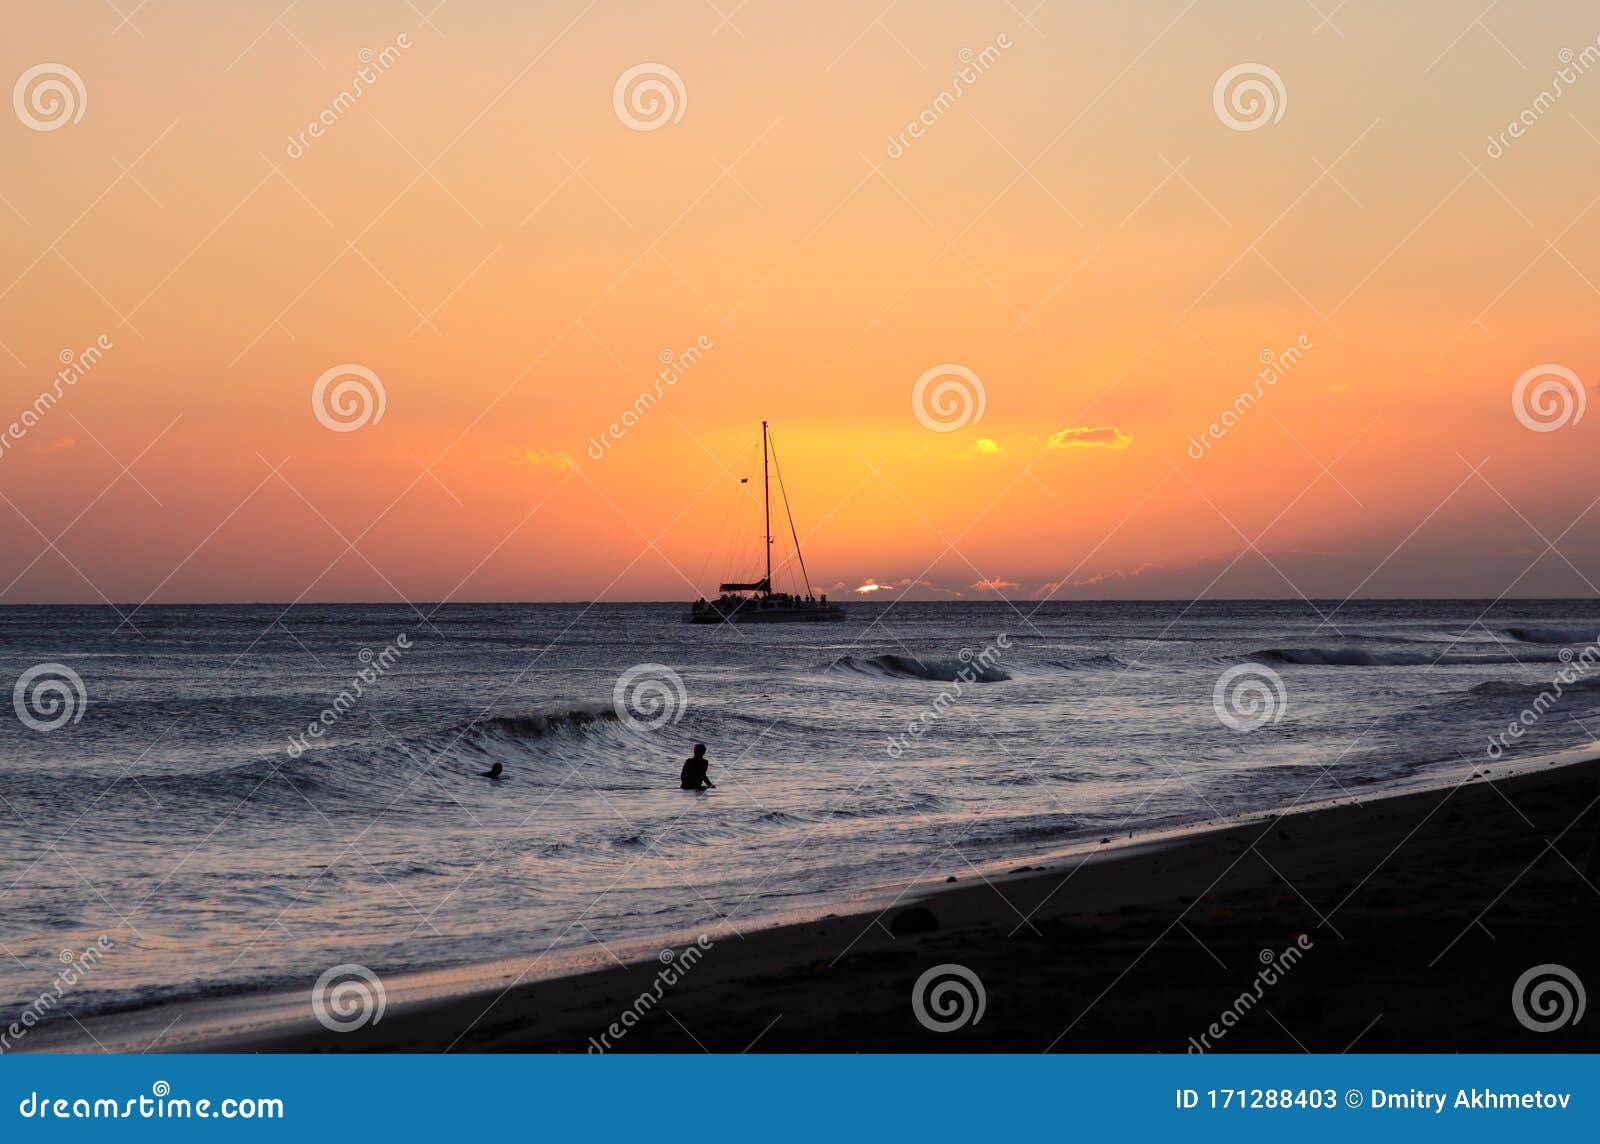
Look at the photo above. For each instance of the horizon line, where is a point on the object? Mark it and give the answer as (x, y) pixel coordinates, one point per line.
(872, 598)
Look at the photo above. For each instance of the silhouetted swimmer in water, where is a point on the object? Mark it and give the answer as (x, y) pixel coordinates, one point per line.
(693, 775)
(493, 772)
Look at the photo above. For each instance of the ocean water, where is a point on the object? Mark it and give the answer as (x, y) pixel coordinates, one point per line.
(159, 787)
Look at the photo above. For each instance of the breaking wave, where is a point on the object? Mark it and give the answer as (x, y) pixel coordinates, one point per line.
(1554, 635)
(542, 724)
(910, 667)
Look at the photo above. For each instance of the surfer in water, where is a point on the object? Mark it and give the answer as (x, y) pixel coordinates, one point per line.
(693, 775)
(493, 772)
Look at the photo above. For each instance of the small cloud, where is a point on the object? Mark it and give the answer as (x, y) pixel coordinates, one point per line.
(982, 447)
(1054, 586)
(1114, 574)
(996, 585)
(1106, 436)
(872, 586)
(56, 446)
(1339, 387)
(551, 458)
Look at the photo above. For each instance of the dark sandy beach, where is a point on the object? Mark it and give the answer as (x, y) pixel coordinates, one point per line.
(1413, 917)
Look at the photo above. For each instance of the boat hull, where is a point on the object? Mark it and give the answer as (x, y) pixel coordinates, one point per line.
(753, 614)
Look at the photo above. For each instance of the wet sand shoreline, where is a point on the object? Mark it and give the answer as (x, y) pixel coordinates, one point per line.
(1414, 915)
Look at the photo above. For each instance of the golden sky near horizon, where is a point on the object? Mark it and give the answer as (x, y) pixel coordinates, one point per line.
(1085, 231)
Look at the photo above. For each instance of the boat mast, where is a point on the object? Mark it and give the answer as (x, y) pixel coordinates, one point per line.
(766, 502)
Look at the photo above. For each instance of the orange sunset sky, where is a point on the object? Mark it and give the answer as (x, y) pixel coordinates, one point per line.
(1082, 229)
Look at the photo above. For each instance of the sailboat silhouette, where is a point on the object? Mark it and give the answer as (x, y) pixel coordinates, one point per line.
(762, 605)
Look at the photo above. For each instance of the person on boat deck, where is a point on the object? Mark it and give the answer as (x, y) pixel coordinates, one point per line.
(693, 775)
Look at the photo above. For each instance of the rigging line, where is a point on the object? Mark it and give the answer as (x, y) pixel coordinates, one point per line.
(783, 491)
(742, 521)
(718, 553)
